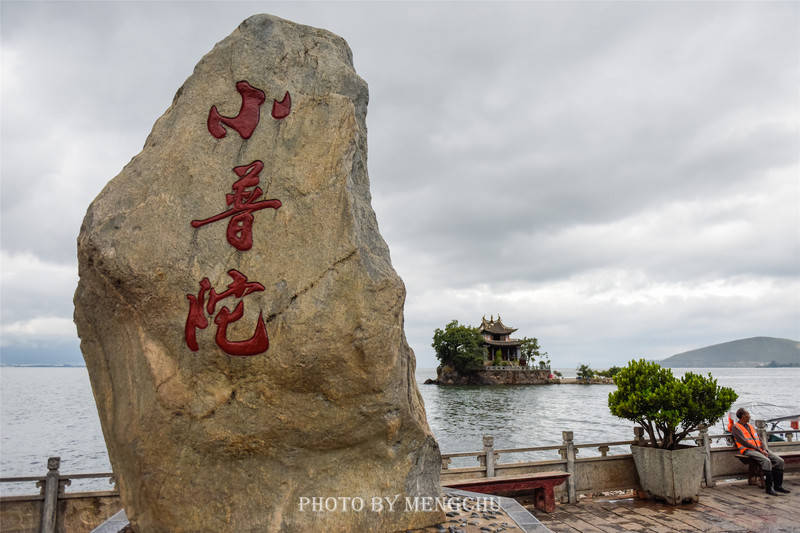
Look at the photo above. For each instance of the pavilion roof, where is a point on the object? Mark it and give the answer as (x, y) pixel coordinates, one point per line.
(495, 326)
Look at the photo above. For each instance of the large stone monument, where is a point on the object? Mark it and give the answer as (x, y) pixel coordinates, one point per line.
(238, 312)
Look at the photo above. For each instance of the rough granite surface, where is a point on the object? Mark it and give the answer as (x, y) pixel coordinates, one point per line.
(206, 441)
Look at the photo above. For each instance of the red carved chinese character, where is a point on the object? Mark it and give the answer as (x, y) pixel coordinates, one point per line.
(283, 108)
(196, 318)
(247, 119)
(256, 344)
(242, 204)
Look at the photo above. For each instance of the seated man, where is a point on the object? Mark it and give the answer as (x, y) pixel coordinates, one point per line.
(749, 445)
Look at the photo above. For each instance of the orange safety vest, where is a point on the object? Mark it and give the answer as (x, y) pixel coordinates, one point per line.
(752, 440)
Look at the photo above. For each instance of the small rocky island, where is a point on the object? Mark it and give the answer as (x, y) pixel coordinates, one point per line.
(493, 376)
(487, 355)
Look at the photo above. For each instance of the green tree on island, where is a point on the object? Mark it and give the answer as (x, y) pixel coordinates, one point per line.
(585, 372)
(459, 346)
(529, 350)
(610, 373)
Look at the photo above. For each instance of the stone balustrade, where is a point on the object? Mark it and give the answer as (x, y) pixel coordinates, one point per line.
(605, 470)
(53, 509)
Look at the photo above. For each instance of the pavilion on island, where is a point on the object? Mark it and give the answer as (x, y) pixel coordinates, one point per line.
(497, 335)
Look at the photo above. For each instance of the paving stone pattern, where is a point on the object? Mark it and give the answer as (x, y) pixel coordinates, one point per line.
(730, 506)
(512, 517)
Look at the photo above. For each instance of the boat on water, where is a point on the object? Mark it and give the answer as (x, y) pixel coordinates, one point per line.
(777, 417)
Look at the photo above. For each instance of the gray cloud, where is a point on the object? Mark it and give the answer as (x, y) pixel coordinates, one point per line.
(617, 179)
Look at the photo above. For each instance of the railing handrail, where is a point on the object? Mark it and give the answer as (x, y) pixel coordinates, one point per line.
(87, 476)
(463, 454)
(533, 449)
(598, 444)
(24, 479)
(21, 479)
(783, 431)
(691, 437)
(479, 454)
(548, 448)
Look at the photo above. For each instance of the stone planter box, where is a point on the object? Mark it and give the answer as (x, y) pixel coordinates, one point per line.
(671, 475)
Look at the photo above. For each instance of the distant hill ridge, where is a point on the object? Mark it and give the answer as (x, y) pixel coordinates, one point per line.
(752, 352)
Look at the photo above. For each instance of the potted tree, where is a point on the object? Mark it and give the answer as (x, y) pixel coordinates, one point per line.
(668, 409)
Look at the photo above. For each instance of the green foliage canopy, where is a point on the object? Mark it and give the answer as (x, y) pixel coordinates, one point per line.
(459, 346)
(530, 349)
(585, 372)
(652, 397)
(610, 373)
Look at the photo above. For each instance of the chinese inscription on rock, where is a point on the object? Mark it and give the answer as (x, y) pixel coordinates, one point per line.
(242, 203)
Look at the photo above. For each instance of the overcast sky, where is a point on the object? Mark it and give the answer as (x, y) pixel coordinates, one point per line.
(615, 179)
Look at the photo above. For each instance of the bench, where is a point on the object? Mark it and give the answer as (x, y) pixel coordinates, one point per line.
(754, 474)
(790, 457)
(540, 484)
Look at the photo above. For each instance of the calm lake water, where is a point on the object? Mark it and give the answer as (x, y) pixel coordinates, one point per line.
(48, 412)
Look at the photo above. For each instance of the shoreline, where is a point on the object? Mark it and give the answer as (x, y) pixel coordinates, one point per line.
(494, 375)
(556, 381)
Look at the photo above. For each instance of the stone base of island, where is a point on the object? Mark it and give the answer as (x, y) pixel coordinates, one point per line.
(509, 375)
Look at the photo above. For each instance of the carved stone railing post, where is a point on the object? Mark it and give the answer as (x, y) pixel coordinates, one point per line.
(446, 463)
(488, 449)
(569, 449)
(51, 491)
(789, 437)
(603, 450)
(705, 442)
(761, 429)
(638, 435)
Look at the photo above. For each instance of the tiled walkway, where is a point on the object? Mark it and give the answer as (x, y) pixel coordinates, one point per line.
(730, 506)
(510, 517)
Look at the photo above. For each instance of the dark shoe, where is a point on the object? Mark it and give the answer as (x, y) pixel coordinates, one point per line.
(768, 479)
(778, 482)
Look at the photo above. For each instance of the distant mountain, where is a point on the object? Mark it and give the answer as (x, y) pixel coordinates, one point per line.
(755, 351)
(65, 354)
